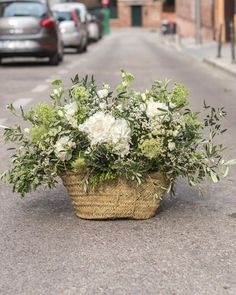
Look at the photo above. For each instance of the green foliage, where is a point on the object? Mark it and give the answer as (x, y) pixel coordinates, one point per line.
(110, 134)
(43, 114)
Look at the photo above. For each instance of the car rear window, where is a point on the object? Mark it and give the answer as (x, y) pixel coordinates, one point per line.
(21, 8)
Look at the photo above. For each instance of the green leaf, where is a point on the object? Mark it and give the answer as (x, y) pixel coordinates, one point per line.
(231, 162)
(56, 82)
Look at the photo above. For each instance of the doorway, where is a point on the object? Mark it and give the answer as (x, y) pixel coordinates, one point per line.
(136, 15)
(229, 17)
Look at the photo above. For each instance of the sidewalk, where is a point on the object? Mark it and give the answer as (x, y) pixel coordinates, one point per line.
(205, 52)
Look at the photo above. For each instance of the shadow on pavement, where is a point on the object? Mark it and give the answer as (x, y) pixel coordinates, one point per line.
(22, 63)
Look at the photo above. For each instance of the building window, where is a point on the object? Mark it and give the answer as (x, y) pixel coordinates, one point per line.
(113, 9)
(169, 5)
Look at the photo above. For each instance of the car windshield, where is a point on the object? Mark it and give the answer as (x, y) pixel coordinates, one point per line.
(13, 9)
(62, 15)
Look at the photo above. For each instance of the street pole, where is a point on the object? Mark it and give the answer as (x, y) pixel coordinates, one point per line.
(198, 21)
(232, 41)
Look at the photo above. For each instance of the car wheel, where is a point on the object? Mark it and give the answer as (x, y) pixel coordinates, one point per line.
(54, 59)
(61, 55)
(79, 49)
(85, 47)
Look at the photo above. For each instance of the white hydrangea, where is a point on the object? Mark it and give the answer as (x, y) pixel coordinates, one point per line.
(120, 136)
(103, 93)
(104, 128)
(63, 148)
(153, 108)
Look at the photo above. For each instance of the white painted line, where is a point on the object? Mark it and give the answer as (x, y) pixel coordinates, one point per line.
(62, 72)
(40, 88)
(22, 102)
(2, 121)
(72, 66)
(49, 80)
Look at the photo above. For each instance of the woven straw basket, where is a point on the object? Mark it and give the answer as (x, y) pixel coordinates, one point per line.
(118, 198)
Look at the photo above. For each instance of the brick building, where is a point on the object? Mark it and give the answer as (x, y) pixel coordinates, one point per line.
(213, 15)
(136, 13)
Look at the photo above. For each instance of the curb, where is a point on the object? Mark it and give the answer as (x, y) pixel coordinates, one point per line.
(209, 61)
(217, 65)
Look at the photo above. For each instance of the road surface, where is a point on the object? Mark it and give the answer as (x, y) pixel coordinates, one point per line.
(188, 248)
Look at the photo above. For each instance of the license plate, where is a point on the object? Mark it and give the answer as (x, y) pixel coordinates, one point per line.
(9, 44)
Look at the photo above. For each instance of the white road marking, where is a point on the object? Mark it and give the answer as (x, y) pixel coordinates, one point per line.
(63, 72)
(49, 80)
(72, 65)
(40, 88)
(22, 102)
(2, 122)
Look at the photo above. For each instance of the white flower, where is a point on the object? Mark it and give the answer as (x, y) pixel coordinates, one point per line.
(175, 133)
(171, 146)
(120, 136)
(104, 128)
(60, 113)
(70, 111)
(153, 108)
(102, 105)
(119, 107)
(97, 127)
(27, 130)
(63, 148)
(103, 93)
(172, 105)
(106, 86)
(144, 96)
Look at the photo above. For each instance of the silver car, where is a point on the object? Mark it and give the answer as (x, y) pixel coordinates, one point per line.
(27, 28)
(73, 25)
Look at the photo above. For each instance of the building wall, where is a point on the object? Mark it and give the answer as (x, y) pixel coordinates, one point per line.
(151, 13)
(185, 17)
(212, 17)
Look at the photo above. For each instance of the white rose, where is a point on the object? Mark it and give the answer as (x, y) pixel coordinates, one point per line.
(71, 109)
(153, 108)
(103, 93)
(63, 148)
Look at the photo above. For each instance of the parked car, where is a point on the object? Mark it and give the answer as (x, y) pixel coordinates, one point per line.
(73, 24)
(27, 28)
(99, 17)
(94, 28)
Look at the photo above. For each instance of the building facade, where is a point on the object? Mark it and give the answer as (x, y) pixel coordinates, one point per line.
(213, 15)
(136, 13)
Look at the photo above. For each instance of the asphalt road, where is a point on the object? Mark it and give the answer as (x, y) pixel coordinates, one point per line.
(188, 248)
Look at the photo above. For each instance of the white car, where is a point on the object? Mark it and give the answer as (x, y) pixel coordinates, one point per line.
(93, 28)
(73, 24)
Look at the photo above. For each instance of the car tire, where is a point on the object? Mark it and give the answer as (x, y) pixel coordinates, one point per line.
(85, 47)
(79, 49)
(54, 59)
(61, 54)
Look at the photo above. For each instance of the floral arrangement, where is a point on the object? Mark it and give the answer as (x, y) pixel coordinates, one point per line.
(109, 134)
